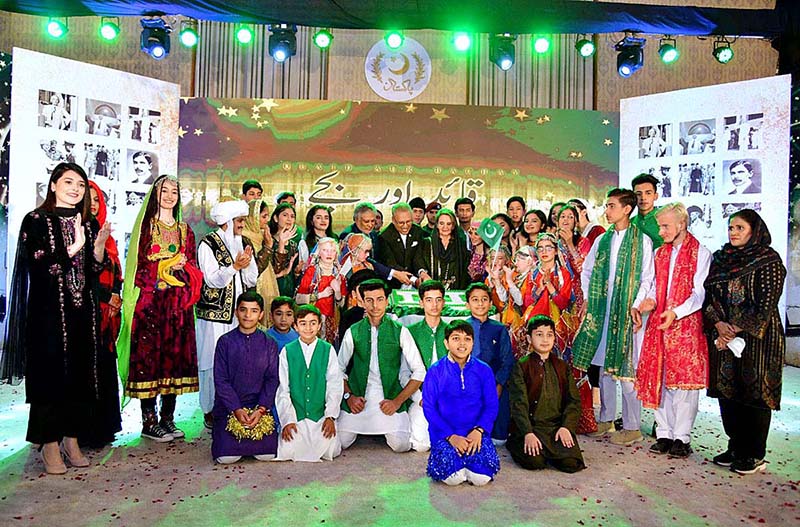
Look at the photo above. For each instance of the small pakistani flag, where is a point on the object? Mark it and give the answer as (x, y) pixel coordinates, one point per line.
(491, 233)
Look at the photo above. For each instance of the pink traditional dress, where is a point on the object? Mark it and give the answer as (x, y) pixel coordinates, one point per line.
(314, 281)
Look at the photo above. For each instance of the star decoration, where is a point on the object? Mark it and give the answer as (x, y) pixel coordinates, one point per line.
(269, 104)
(521, 115)
(539, 121)
(2, 64)
(546, 118)
(255, 116)
(440, 115)
(255, 108)
(606, 122)
(260, 124)
(488, 122)
(410, 108)
(573, 153)
(222, 110)
(198, 132)
(187, 99)
(181, 132)
(341, 111)
(608, 142)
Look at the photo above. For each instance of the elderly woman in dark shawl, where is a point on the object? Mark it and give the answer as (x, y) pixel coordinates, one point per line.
(743, 288)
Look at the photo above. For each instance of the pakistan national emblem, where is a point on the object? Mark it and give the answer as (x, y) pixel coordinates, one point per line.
(398, 74)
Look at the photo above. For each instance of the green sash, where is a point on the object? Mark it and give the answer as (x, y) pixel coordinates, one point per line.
(308, 384)
(424, 338)
(389, 356)
(619, 340)
(649, 225)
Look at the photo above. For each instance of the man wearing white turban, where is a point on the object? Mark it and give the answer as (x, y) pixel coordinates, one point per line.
(229, 269)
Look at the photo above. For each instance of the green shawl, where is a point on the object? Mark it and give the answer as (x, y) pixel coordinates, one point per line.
(649, 225)
(619, 340)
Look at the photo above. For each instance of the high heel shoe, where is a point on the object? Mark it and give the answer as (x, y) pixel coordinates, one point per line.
(74, 454)
(51, 457)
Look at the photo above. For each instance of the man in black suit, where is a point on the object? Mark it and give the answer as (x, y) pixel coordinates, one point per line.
(403, 245)
(742, 178)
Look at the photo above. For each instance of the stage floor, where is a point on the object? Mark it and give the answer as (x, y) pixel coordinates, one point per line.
(137, 482)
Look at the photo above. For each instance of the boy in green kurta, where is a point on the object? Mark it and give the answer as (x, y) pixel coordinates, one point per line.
(545, 405)
(428, 334)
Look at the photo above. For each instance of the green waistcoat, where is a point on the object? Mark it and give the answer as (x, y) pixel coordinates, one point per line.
(389, 356)
(648, 224)
(424, 338)
(308, 384)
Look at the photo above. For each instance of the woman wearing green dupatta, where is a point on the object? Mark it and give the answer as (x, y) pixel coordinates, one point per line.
(156, 346)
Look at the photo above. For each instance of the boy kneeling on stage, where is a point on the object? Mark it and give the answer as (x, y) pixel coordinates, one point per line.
(545, 405)
(459, 399)
(309, 393)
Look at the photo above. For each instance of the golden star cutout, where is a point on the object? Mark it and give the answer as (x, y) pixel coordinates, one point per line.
(222, 110)
(521, 115)
(546, 118)
(198, 132)
(233, 112)
(260, 124)
(255, 116)
(342, 111)
(269, 104)
(573, 153)
(608, 142)
(539, 121)
(410, 108)
(181, 132)
(606, 122)
(440, 115)
(255, 108)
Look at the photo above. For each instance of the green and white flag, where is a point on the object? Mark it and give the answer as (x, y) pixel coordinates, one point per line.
(491, 233)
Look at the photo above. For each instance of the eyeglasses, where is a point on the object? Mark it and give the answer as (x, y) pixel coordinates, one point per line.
(546, 248)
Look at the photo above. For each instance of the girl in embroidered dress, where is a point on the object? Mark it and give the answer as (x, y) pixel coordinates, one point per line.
(53, 337)
(520, 289)
(256, 229)
(157, 348)
(284, 249)
(322, 286)
(534, 222)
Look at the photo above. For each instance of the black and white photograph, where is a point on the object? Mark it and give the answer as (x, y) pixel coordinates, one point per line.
(742, 176)
(743, 132)
(41, 193)
(101, 161)
(732, 208)
(144, 125)
(134, 199)
(103, 118)
(700, 222)
(664, 176)
(57, 151)
(655, 141)
(142, 167)
(696, 178)
(58, 110)
(698, 137)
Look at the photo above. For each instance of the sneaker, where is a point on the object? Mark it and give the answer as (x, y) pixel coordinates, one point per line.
(208, 421)
(171, 429)
(603, 428)
(725, 459)
(749, 466)
(661, 446)
(626, 437)
(157, 434)
(680, 449)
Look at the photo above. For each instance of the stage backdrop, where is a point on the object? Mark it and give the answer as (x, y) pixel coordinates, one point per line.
(338, 153)
(717, 149)
(121, 128)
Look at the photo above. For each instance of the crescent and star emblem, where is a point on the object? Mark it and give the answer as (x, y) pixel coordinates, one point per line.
(405, 66)
(490, 229)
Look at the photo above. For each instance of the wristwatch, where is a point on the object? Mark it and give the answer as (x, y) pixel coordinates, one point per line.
(347, 395)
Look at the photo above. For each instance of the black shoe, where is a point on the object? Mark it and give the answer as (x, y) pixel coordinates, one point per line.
(653, 431)
(157, 434)
(208, 421)
(680, 449)
(661, 446)
(725, 459)
(618, 424)
(749, 466)
(170, 427)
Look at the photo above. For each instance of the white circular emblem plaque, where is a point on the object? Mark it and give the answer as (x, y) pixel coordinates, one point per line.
(398, 74)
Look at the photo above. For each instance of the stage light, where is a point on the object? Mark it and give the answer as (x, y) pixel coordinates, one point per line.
(282, 41)
(155, 37)
(394, 39)
(462, 41)
(630, 57)
(541, 44)
(723, 51)
(109, 30)
(56, 28)
(668, 50)
(188, 34)
(323, 39)
(501, 50)
(244, 35)
(585, 47)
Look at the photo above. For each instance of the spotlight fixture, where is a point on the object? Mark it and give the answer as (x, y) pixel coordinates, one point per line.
(394, 39)
(462, 41)
(323, 39)
(109, 28)
(541, 44)
(155, 37)
(668, 50)
(56, 28)
(188, 34)
(501, 50)
(244, 35)
(282, 41)
(585, 47)
(723, 51)
(630, 57)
